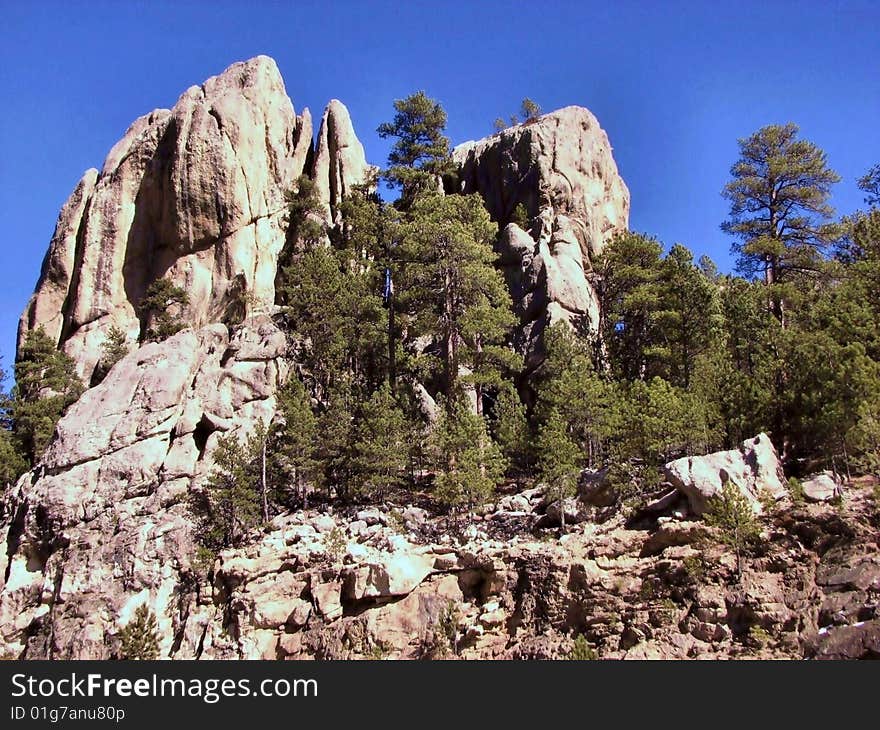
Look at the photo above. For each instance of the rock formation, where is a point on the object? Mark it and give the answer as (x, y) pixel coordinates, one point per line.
(194, 194)
(102, 525)
(559, 170)
(753, 468)
(104, 520)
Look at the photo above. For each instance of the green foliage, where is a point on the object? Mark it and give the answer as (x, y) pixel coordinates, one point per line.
(163, 310)
(510, 427)
(335, 544)
(455, 295)
(738, 527)
(796, 490)
(559, 459)
(499, 125)
(46, 383)
(581, 650)
(420, 153)
(694, 567)
(293, 438)
(779, 207)
(529, 110)
(468, 463)
(231, 503)
(113, 349)
(869, 183)
(758, 636)
(140, 638)
(12, 461)
(660, 315)
(520, 216)
(379, 448)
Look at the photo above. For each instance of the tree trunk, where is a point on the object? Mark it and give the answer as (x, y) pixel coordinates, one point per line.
(263, 481)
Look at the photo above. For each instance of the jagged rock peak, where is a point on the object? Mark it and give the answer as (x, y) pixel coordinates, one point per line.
(339, 161)
(556, 177)
(194, 194)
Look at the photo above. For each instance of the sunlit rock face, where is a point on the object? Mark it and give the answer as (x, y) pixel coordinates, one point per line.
(196, 195)
(559, 171)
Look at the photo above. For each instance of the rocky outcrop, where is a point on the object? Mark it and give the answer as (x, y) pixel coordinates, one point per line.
(103, 523)
(339, 159)
(196, 195)
(559, 171)
(754, 468)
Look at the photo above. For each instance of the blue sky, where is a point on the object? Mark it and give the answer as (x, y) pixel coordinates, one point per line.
(673, 83)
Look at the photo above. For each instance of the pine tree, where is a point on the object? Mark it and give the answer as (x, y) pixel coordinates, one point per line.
(560, 461)
(163, 310)
(630, 297)
(12, 462)
(510, 427)
(529, 110)
(113, 349)
(46, 383)
(231, 503)
(779, 207)
(738, 527)
(140, 638)
(379, 448)
(456, 296)
(869, 184)
(334, 447)
(294, 442)
(420, 155)
(468, 463)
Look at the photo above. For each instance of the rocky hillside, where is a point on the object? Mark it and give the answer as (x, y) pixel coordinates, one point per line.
(102, 525)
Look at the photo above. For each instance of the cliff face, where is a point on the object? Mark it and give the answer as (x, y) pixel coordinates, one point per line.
(560, 171)
(194, 194)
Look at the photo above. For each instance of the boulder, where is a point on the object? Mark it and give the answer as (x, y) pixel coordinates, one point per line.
(391, 574)
(754, 468)
(820, 487)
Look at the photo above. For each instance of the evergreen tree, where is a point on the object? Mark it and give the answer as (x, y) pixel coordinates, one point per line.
(12, 463)
(455, 295)
(779, 207)
(334, 447)
(113, 349)
(869, 184)
(688, 321)
(469, 464)
(571, 390)
(738, 527)
(379, 448)
(231, 503)
(510, 427)
(140, 637)
(630, 298)
(306, 230)
(294, 439)
(163, 310)
(46, 383)
(529, 110)
(420, 155)
(560, 461)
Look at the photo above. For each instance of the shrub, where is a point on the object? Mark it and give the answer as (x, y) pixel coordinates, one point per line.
(581, 650)
(796, 489)
(139, 638)
(738, 527)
